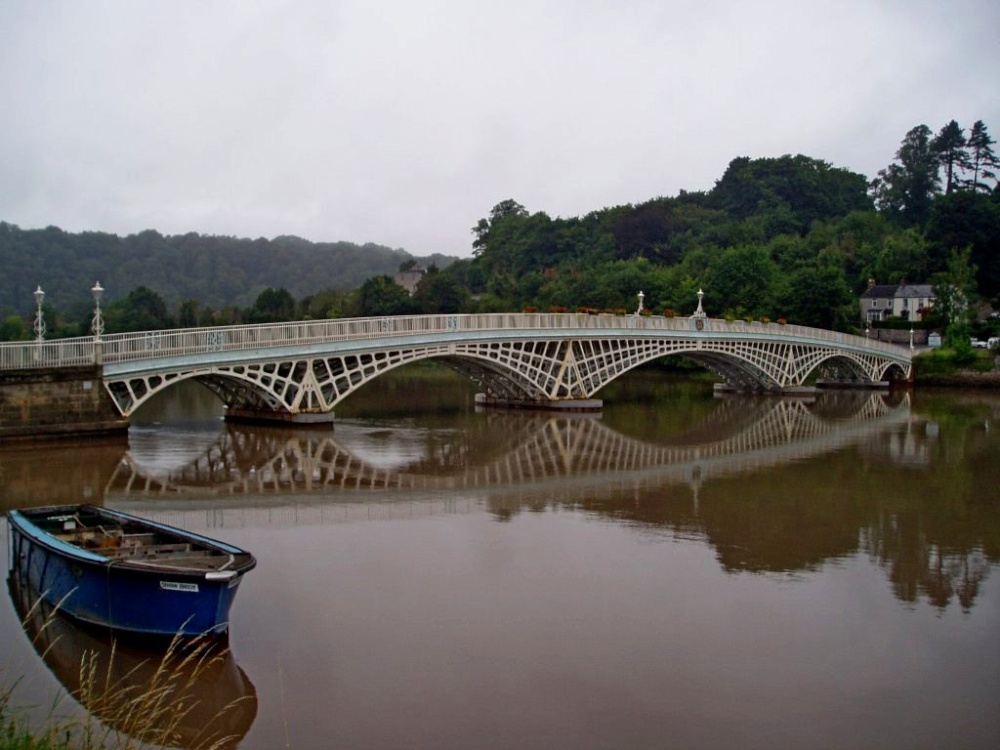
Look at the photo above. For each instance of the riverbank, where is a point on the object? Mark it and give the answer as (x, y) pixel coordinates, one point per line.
(959, 379)
(947, 368)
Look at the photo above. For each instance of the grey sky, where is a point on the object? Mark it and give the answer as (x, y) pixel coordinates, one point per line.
(402, 123)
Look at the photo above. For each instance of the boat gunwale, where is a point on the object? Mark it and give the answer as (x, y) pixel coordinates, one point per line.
(24, 523)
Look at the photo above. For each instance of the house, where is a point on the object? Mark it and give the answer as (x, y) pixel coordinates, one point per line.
(410, 278)
(902, 301)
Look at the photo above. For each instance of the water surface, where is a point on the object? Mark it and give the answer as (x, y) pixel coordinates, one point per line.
(684, 571)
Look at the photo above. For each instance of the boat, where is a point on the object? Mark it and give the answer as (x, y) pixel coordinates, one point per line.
(112, 569)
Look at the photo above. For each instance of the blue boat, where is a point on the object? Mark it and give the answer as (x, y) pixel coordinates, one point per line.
(113, 569)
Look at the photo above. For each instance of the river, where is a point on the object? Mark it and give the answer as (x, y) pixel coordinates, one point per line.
(682, 571)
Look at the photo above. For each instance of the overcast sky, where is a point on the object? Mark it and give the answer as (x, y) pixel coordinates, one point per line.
(402, 122)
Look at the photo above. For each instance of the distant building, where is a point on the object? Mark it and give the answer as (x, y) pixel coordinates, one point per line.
(901, 301)
(409, 278)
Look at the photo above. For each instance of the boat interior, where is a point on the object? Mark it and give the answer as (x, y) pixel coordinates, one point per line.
(119, 539)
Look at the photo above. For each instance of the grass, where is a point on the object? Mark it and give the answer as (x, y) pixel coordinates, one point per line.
(145, 705)
(947, 361)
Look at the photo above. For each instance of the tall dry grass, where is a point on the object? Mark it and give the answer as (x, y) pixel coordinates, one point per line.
(146, 705)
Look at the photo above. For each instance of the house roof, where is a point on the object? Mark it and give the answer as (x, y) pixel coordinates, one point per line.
(915, 290)
(898, 291)
(880, 291)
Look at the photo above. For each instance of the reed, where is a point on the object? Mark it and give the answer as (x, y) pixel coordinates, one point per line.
(144, 706)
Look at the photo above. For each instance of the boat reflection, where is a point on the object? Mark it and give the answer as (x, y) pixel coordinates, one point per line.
(184, 698)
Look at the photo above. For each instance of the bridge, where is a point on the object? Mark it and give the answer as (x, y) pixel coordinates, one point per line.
(298, 372)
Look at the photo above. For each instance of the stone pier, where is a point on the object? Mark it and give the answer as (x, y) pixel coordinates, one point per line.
(50, 403)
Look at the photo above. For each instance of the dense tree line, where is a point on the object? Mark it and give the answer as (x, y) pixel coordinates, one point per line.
(144, 309)
(219, 272)
(790, 238)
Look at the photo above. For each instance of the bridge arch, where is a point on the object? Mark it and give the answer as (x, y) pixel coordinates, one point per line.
(532, 371)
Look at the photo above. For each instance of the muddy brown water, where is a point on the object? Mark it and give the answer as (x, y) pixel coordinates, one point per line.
(682, 571)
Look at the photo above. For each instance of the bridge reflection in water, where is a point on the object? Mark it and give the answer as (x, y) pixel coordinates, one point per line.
(554, 454)
(752, 480)
(770, 485)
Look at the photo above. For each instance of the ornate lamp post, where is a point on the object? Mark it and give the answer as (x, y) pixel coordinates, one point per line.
(641, 297)
(97, 326)
(911, 338)
(699, 313)
(39, 317)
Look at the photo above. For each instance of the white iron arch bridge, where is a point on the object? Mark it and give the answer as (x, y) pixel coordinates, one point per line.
(300, 371)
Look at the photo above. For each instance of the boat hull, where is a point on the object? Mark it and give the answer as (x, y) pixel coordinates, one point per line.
(114, 594)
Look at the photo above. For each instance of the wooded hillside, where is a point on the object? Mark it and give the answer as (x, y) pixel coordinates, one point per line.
(217, 271)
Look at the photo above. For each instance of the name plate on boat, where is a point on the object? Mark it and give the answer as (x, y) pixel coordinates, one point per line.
(177, 586)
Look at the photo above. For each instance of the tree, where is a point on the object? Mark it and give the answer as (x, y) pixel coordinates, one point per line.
(982, 160)
(906, 190)
(788, 193)
(740, 279)
(13, 328)
(949, 145)
(902, 256)
(329, 303)
(142, 310)
(817, 295)
(188, 314)
(272, 306)
(380, 295)
(972, 220)
(440, 293)
(954, 291)
(505, 209)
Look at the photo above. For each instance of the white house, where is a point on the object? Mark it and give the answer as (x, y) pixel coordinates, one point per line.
(902, 301)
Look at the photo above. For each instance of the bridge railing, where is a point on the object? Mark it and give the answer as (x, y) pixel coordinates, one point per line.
(123, 347)
(58, 353)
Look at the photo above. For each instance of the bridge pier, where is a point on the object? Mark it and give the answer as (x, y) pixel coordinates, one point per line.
(484, 401)
(875, 385)
(56, 402)
(270, 416)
